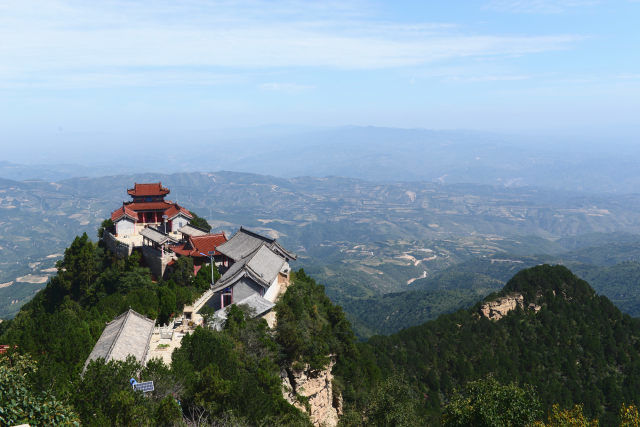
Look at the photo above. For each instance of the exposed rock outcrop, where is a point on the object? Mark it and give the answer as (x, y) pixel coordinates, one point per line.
(498, 308)
(312, 392)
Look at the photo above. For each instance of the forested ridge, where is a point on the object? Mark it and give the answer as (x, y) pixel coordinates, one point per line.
(463, 284)
(578, 348)
(564, 345)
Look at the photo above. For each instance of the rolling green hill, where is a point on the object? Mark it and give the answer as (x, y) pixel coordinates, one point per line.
(569, 343)
(461, 285)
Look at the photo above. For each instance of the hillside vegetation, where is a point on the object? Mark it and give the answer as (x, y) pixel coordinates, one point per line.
(62, 323)
(232, 376)
(578, 348)
(461, 285)
(563, 344)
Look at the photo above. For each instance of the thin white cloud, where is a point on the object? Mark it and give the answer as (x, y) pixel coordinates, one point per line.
(539, 6)
(629, 76)
(489, 78)
(47, 42)
(474, 73)
(285, 87)
(117, 78)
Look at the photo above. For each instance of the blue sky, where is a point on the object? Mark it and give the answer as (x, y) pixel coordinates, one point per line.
(148, 67)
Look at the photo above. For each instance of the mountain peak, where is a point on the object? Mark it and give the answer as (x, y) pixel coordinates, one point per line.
(540, 284)
(534, 287)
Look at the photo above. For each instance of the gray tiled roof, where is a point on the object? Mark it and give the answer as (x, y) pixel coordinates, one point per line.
(257, 306)
(266, 264)
(262, 265)
(228, 276)
(245, 242)
(241, 244)
(155, 235)
(127, 334)
(192, 231)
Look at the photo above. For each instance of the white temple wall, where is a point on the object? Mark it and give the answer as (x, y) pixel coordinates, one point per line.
(178, 222)
(125, 227)
(273, 291)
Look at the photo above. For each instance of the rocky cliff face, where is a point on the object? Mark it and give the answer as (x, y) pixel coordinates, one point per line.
(312, 392)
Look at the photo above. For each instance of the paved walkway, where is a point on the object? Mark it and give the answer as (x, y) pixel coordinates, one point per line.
(162, 348)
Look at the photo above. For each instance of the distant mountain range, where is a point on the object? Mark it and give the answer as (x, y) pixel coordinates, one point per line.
(372, 153)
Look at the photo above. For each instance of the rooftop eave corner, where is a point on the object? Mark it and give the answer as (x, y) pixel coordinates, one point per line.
(286, 253)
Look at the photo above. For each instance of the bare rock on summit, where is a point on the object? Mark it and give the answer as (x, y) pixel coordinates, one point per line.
(497, 309)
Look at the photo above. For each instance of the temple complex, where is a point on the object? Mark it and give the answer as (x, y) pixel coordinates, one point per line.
(254, 268)
(255, 272)
(159, 228)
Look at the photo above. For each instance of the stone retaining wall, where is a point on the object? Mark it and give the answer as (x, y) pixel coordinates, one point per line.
(116, 246)
(155, 261)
